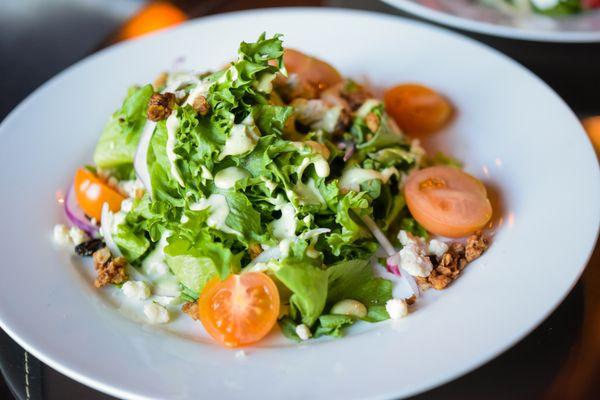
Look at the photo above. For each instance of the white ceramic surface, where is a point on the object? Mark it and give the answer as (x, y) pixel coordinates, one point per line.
(474, 16)
(511, 129)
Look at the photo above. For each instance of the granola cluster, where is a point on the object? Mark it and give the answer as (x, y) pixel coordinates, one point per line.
(160, 106)
(449, 266)
(109, 269)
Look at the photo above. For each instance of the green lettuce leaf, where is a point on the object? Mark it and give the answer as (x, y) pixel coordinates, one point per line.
(118, 143)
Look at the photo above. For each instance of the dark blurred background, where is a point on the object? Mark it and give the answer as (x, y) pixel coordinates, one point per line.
(40, 38)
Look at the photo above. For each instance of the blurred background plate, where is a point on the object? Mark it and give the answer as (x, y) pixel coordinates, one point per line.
(474, 16)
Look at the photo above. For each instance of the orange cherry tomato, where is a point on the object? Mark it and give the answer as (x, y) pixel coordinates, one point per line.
(310, 69)
(156, 15)
(417, 109)
(447, 201)
(91, 193)
(240, 310)
(592, 127)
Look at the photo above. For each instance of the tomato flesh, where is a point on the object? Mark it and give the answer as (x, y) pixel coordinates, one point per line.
(240, 310)
(310, 69)
(447, 201)
(417, 109)
(91, 193)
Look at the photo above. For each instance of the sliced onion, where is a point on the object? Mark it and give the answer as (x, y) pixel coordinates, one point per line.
(314, 232)
(393, 264)
(140, 161)
(76, 215)
(106, 226)
(349, 151)
(410, 280)
(379, 235)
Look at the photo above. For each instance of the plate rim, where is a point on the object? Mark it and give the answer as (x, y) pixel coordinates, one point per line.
(488, 28)
(427, 384)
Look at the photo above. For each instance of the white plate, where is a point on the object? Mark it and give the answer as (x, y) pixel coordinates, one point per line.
(511, 129)
(473, 16)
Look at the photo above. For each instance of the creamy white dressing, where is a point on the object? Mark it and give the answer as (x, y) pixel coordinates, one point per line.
(219, 210)
(172, 125)
(314, 147)
(226, 178)
(321, 168)
(177, 80)
(269, 184)
(285, 226)
(242, 138)
(206, 174)
(352, 178)
(201, 89)
(308, 193)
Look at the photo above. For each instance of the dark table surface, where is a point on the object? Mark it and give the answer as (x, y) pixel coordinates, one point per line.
(558, 360)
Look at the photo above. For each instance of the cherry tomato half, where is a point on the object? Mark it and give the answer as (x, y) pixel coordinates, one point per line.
(240, 310)
(310, 69)
(447, 201)
(417, 109)
(91, 193)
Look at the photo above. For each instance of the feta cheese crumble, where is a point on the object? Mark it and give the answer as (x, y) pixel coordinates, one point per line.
(61, 235)
(165, 300)
(138, 290)
(414, 260)
(77, 235)
(303, 332)
(437, 248)
(156, 313)
(396, 308)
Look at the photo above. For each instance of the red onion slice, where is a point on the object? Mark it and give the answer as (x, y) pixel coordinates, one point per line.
(76, 215)
(393, 260)
(349, 151)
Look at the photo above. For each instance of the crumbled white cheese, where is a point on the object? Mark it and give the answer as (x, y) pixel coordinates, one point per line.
(414, 261)
(132, 188)
(437, 248)
(303, 332)
(165, 300)
(61, 235)
(137, 290)
(156, 313)
(77, 235)
(396, 308)
(405, 238)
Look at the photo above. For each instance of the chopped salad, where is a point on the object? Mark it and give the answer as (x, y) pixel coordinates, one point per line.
(547, 7)
(274, 192)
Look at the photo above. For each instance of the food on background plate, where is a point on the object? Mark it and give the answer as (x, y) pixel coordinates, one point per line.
(547, 7)
(273, 191)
